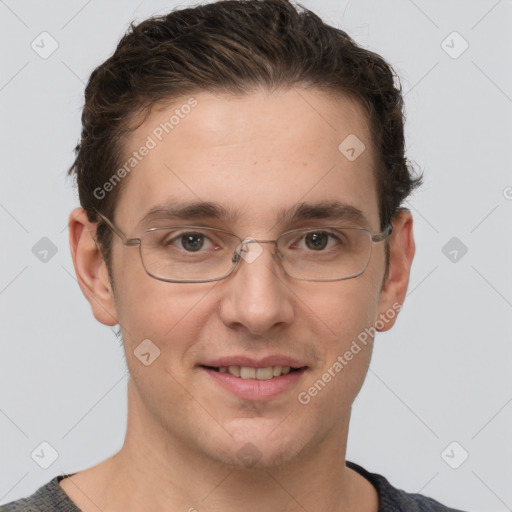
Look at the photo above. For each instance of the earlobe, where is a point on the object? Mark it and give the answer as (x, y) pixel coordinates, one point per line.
(90, 267)
(401, 255)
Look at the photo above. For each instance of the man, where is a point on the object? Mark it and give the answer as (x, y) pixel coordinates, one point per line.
(241, 172)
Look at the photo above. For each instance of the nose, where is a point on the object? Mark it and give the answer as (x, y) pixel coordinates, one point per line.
(257, 295)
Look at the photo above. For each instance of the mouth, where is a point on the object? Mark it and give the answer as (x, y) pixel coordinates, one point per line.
(251, 373)
(255, 384)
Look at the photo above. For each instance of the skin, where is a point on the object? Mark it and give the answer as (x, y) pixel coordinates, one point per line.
(255, 153)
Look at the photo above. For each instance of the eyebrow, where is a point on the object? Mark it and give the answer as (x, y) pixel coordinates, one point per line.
(331, 210)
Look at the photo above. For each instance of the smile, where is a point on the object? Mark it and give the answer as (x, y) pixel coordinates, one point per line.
(247, 372)
(255, 384)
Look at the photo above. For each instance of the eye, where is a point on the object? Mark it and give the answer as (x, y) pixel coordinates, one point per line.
(318, 240)
(192, 241)
(189, 241)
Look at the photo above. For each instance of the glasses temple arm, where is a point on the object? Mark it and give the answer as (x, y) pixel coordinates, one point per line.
(118, 232)
(383, 234)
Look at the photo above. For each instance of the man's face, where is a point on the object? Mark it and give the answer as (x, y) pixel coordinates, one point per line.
(254, 155)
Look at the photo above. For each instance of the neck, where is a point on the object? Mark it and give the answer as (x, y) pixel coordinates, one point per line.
(156, 470)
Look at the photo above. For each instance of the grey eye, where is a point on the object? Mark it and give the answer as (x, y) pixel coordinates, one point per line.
(193, 241)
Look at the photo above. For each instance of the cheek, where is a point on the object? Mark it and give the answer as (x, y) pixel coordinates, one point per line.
(341, 320)
(171, 315)
(343, 309)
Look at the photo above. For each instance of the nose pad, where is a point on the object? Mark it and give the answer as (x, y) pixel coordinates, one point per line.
(250, 250)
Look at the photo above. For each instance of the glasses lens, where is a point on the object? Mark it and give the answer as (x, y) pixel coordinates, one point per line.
(186, 253)
(326, 254)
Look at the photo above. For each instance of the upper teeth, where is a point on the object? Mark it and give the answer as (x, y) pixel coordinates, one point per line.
(246, 372)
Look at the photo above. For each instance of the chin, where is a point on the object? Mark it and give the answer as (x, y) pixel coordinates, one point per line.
(257, 449)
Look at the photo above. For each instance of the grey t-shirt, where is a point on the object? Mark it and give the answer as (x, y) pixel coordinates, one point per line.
(52, 498)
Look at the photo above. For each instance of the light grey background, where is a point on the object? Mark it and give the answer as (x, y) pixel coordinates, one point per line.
(442, 374)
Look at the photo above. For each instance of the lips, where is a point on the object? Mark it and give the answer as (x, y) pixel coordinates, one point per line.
(249, 362)
(264, 368)
(251, 386)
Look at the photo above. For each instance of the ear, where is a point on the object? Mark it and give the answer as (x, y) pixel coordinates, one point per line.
(90, 267)
(401, 254)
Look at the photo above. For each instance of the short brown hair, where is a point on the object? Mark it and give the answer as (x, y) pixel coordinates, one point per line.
(233, 47)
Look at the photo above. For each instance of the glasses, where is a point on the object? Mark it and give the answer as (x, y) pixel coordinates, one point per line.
(196, 254)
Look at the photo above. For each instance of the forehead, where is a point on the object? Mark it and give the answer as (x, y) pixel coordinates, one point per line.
(256, 157)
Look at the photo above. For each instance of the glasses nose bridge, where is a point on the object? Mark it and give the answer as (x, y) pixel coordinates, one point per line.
(248, 240)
